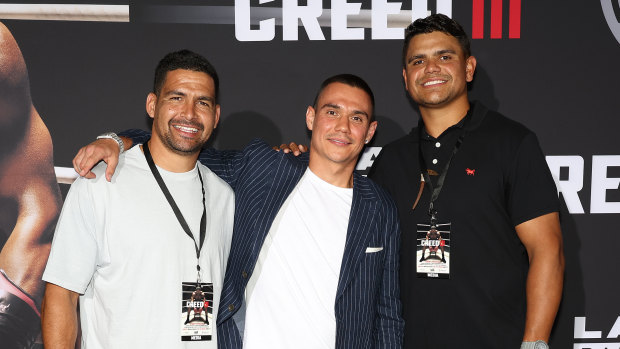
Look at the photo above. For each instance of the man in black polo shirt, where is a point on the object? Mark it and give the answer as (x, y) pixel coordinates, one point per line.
(487, 190)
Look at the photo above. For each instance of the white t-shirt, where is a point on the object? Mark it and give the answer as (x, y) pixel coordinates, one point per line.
(120, 245)
(291, 295)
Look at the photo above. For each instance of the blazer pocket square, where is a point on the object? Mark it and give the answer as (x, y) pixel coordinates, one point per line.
(373, 249)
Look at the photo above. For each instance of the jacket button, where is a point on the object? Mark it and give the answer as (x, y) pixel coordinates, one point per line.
(231, 307)
(244, 274)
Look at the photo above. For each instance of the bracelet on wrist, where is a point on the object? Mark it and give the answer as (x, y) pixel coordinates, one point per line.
(116, 138)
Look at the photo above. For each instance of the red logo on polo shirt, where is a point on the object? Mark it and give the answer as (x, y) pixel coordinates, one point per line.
(470, 172)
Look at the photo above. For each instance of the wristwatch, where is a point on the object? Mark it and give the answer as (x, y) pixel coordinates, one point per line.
(534, 345)
(115, 137)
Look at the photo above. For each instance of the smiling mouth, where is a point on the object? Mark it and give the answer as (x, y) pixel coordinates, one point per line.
(433, 82)
(186, 129)
(339, 141)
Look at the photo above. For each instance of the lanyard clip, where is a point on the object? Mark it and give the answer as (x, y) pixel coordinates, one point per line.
(433, 213)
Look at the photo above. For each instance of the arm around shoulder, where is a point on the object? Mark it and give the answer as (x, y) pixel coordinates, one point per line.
(230, 165)
(106, 149)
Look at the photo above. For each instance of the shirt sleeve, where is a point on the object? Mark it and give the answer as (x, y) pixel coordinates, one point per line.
(231, 165)
(532, 191)
(226, 164)
(73, 257)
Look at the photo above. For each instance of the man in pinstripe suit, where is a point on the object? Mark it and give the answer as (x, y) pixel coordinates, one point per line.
(314, 256)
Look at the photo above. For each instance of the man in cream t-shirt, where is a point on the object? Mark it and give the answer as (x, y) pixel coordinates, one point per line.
(147, 275)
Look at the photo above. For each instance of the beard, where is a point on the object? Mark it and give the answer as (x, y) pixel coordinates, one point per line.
(181, 145)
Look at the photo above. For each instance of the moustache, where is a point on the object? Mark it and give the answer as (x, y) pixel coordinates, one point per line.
(426, 78)
(341, 137)
(186, 123)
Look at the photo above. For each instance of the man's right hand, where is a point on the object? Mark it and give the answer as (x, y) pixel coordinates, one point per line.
(88, 156)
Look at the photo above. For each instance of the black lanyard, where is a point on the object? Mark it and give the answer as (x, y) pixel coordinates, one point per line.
(175, 208)
(442, 176)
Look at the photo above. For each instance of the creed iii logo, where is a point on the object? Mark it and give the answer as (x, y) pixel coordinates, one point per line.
(611, 10)
(346, 19)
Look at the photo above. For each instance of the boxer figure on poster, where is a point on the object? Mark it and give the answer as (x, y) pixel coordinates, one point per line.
(197, 303)
(433, 243)
(30, 200)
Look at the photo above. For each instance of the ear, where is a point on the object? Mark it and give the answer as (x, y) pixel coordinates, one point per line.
(371, 130)
(217, 115)
(310, 114)
(151, 101)
(405, 78)
(470, 68)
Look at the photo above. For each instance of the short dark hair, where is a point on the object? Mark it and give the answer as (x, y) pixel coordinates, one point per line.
(436, 23)
(350, 80)
(188, 60)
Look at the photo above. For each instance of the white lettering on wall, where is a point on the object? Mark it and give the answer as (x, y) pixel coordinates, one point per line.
(379, 19)
(386, 19)
(309, 15)
(615, 330)
(366, 159)
(341, 9)
(571, 186)
(580, 332)
(600, 184)
(580, 329)
(266, 29)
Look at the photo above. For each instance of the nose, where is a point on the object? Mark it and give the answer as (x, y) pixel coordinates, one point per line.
(431, 66)
(342, 124)
(187, 109)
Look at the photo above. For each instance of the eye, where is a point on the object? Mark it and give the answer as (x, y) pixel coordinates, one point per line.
(357, 118)
(332, 112)
(417, 62)
(445, 58)
(175, 98)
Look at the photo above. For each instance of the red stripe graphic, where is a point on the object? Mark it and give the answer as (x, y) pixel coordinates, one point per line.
(496, 19)
(514, 29)
(477, 19)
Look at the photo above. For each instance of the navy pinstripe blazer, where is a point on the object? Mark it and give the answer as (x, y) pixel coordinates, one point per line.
(367, 308)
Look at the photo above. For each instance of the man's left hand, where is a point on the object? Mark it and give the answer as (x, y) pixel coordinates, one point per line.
(293, 147)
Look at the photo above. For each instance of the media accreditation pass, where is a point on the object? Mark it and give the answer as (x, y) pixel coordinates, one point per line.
(433, 238)
(196, 315)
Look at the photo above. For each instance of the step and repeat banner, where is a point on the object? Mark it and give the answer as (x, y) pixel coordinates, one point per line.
(72, 71)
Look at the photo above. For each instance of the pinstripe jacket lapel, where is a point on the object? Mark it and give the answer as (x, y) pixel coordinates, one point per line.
(363, 209)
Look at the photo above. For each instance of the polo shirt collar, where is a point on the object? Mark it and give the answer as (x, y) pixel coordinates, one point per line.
(476, 113)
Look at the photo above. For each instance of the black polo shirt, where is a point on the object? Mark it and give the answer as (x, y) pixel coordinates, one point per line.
(437, 151)
(498, 179)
